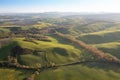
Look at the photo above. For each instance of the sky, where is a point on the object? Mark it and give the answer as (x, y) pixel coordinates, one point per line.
(36, 6)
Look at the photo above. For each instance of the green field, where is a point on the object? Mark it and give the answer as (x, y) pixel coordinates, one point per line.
(107, 41)
(44, 55)
(13, 74)
(78, 72)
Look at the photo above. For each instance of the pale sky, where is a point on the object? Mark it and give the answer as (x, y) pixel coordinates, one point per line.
(59, 6)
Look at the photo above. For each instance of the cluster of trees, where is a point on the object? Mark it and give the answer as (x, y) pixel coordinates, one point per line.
(17, 50)
(37, 37)
(31, 33)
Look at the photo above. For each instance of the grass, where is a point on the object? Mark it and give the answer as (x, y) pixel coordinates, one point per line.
(4, 32)
(78, 72)
(40, 25)
(93, 27)
(60, 51)
(5, 51)
(106, 40)
(52, 51)
(102, 33)
(111, 47)
(4, 29)
(31, 60)
(13, 74)
(100, 37)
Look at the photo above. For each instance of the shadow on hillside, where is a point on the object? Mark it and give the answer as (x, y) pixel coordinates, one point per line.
(60, 51)
(113, 51)
(98, 41)
(95, 39)
(6, 50)
(104, 65)
(65, 41)
(60, 39)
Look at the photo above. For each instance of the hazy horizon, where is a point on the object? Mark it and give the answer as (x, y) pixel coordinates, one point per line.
(39, 6)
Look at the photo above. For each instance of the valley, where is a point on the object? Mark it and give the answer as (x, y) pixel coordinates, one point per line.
(59, 47)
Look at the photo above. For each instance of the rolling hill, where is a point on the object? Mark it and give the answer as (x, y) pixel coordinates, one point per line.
(60, 47)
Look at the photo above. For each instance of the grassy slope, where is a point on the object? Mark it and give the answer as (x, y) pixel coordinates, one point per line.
(4, 29)
(12, 74)
(52, 51)
(73, 72)
(106, 40)
(101, 37)
(5, 51)
(112, 47)
(93, 27)
(78, 72)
